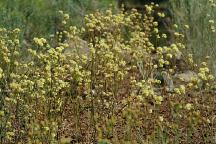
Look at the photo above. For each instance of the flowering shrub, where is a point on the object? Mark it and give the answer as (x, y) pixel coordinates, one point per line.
(106, 92)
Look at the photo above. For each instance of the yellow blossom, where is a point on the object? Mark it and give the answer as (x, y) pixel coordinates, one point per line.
(161, 14)
(40, 41)
(66, 16)
(161, 119)
(187, 26)
(15, 86)
(188, 106)
(1, 73)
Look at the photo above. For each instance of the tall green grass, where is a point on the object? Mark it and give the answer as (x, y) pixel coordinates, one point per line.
(200, 37)
(40, 18)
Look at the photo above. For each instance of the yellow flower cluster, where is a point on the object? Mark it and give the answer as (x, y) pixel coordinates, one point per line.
(204, 74)
(40, 41)
(1, 73)
(188, 106)
(180, 90)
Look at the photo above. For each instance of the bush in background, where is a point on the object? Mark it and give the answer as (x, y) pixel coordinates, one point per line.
(196, 19)
(40, 18)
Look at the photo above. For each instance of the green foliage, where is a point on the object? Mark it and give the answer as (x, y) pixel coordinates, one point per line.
(141, 2)
(39, 17)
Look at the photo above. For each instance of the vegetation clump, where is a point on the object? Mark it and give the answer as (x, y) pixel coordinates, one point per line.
(114, 86)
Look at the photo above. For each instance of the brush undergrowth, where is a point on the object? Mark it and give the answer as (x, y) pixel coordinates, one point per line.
(105, 90)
